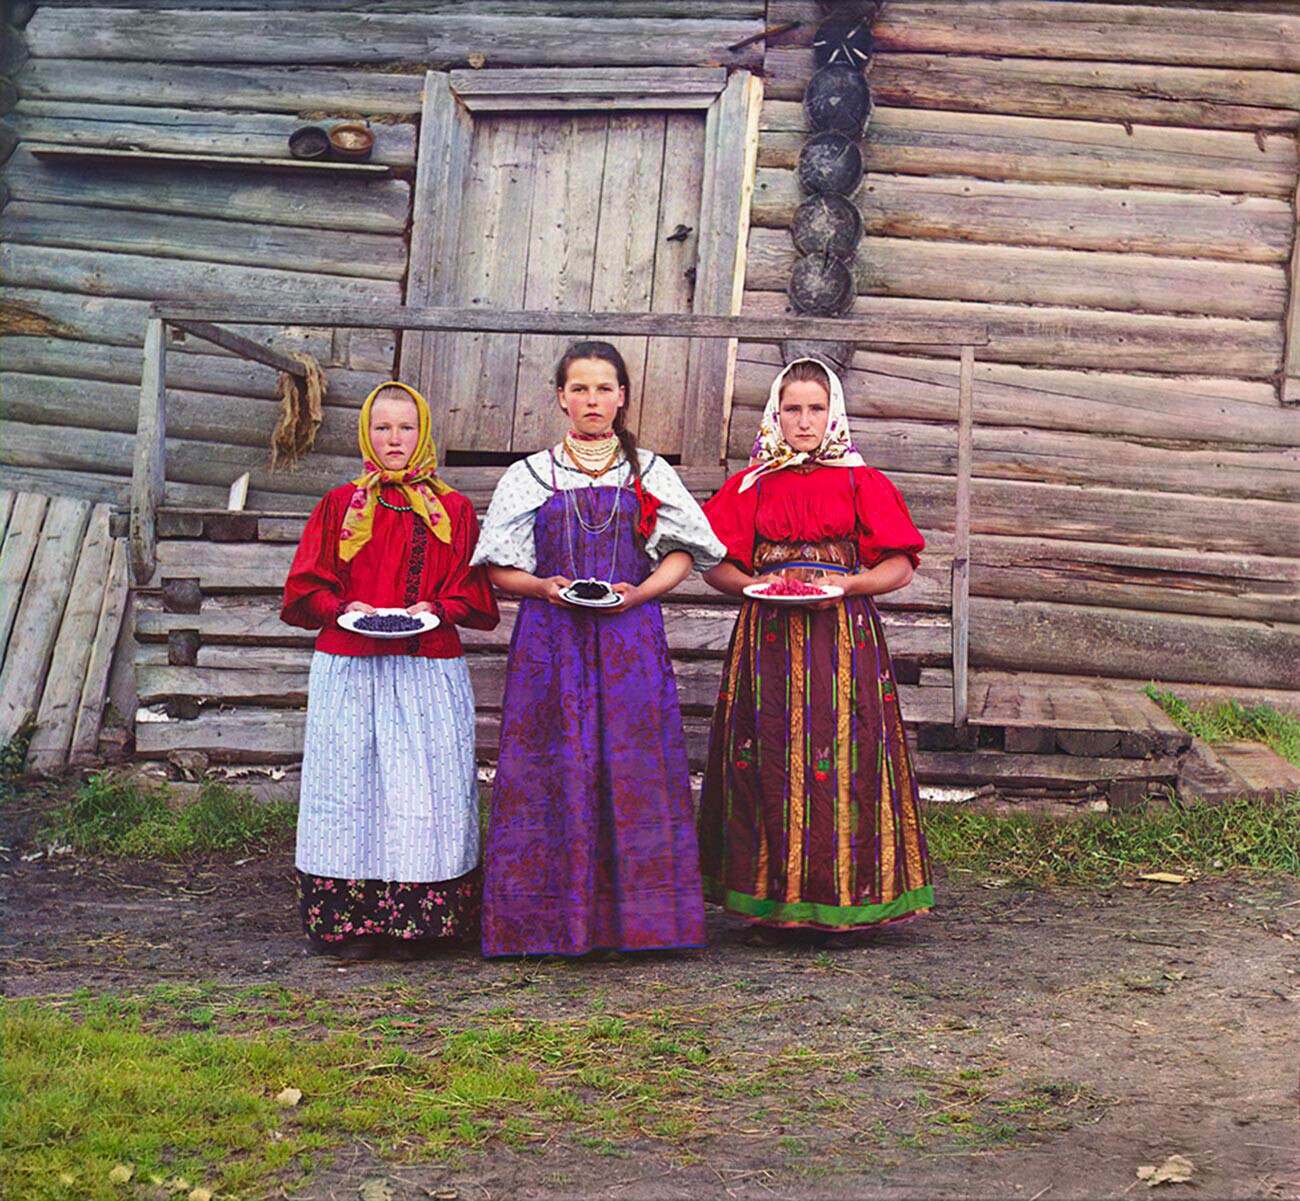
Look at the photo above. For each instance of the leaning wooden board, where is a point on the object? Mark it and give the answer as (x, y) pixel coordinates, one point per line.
(40, 612)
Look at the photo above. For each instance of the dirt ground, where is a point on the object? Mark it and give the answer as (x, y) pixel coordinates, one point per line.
(1129, 1023)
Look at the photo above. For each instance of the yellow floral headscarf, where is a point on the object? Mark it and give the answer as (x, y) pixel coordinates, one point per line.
(418, 481)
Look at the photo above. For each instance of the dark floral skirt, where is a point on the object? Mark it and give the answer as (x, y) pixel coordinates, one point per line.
(334, 909)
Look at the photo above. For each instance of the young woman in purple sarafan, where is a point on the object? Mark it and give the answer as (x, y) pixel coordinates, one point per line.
(591, 844)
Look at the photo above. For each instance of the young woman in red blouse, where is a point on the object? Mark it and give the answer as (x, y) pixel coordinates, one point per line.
(810, 815)
(388, 825)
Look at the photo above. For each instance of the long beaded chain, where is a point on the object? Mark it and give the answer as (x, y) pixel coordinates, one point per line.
(572, 509)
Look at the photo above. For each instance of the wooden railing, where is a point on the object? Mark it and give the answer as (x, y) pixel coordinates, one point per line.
(199, 320)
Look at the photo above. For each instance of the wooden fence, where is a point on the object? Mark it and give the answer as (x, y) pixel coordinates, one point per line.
(199, 320)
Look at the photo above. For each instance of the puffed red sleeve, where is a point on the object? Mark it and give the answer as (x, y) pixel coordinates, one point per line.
(315, 584)
(465, 593)
(732, 514)
(884, 525)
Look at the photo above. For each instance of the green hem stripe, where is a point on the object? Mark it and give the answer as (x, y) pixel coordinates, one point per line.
(811, 911)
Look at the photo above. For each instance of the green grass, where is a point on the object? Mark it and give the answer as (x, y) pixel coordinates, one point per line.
(110, 816)
(1096, 848)
(1225, 721)
(182, 1081)
(12, 760)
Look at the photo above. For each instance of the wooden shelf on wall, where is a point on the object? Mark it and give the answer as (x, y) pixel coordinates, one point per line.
(218, 161)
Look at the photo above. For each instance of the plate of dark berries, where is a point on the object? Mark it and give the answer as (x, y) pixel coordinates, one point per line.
(388, 623)
(591, 594)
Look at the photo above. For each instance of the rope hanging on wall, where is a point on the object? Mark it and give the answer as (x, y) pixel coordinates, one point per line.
(301, 399)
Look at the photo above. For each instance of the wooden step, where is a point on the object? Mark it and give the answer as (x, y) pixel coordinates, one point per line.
(1073, 715)
(1021, 771)
(1222, 771)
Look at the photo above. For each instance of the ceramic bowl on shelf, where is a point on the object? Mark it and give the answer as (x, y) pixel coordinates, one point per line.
(352, 141)
(309, 142)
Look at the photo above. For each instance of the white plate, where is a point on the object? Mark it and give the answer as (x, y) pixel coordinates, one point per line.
(612, 601)
(758, 592)
(428, 621)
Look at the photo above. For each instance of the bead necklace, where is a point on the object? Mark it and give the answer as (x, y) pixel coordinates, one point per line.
(592, 456)
(395, 508)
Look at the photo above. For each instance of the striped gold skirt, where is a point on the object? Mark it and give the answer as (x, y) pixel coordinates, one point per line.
(810, 813)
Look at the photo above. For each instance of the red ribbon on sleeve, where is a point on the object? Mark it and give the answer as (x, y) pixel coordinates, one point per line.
(649, 510)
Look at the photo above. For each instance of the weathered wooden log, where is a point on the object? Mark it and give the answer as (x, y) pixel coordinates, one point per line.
(1253, 35)
(93, 273)
(94, 694)
(1213, 410)
(1042, 335)
(379, 205)
(1005, 452)
(1194, 97)
(234, 420)
(224, 375)
(1128, 93)
(735, 10)
(118, 321)
(268, 89)
(830, 162)
(189, 131)
(182, 595)
(696, 325)
(335, 37)
(843, 39)
(1251, 229)
(40, 611)
(1134, 577)
(1033, 636)
(216, 464)
(167, 235)
(823, 224)
(821, 285)
(22, 536)
(1013, 274)
(9, 139)
(1289, 375)
(554, 89)
(925, 142)
(838, 98)
(61, 691)
(102, 487)
(1091, 514)
(14, 51)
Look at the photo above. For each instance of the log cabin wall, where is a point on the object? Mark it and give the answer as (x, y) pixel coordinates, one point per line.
(1123, 223)
(89, 241)
(1112, 187)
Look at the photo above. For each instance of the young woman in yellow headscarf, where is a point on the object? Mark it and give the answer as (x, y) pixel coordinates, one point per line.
(388, 827)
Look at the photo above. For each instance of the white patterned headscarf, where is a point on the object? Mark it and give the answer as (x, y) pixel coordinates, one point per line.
(772, 452)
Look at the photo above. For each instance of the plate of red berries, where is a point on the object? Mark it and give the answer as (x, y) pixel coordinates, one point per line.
(783, 591)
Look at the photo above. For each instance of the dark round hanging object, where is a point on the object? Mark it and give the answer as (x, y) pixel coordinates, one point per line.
(827, 223)
(838, 98)
(830, 162)
(843, 40)
(822, 285)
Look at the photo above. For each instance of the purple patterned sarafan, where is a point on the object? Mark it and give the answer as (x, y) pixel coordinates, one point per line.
(592, 841)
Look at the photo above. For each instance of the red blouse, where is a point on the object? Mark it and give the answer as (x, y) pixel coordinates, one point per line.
(815, 506)
(401, 564)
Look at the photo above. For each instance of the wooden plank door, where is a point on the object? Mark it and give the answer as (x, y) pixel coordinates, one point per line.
(572, 212)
